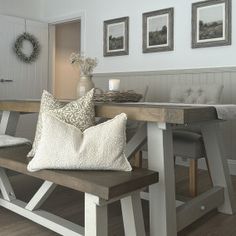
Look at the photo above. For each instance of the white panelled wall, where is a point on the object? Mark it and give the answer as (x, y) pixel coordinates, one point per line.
(36, 75)
(28, 80)
(160, 82)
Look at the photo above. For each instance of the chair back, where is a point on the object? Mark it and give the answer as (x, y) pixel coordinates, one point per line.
(194, 94)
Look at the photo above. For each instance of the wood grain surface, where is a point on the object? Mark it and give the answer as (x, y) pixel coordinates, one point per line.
(136, 111)
(105, 184)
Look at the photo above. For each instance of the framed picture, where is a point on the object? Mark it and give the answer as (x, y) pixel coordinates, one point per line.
(158, 31)
(211, 23)
(116, 37)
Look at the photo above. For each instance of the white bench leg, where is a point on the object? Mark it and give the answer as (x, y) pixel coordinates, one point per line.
(96, 222)
(133, 215)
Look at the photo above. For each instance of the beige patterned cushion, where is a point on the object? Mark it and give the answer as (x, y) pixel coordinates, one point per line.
(99, 147)
(79, 113)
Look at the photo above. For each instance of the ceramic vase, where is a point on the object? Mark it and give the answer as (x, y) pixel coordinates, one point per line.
(84, 85)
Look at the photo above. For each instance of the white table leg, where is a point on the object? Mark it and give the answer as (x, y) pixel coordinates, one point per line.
(133, 215)
(96, 222)
(162, 194)
(218, 165)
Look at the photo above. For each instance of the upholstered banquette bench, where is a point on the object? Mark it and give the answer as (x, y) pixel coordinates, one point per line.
(100, 187)
(188, 142)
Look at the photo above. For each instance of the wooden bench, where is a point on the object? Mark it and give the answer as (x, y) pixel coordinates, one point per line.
(165, 218)
(100, 187)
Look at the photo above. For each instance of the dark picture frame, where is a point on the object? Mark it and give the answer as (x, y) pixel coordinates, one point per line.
(158, 31)
(116, 37)
(211, 23)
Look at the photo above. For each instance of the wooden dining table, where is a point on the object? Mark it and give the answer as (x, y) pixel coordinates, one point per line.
(165, 218)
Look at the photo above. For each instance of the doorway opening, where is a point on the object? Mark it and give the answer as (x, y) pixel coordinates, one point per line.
(65, 38)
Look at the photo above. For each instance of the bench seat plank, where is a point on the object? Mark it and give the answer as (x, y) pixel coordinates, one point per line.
(104, 184)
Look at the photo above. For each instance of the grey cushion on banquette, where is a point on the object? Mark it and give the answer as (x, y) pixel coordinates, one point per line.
(188, 142)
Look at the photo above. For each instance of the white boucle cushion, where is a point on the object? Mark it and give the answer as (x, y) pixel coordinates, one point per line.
(79, 113)
(63, 146)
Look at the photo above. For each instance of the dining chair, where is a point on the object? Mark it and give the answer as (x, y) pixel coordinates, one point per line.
(188, 142)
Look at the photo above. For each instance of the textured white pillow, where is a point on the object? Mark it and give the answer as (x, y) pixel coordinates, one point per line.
(79, 113)
(63, 146)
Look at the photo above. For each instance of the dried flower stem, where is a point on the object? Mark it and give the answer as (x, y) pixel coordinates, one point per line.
(86, 64)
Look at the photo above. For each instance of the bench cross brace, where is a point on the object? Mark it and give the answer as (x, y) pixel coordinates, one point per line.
(8, 122)
(5, 186)
(41, 196)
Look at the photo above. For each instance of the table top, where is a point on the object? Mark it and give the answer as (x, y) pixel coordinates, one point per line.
(135, 111)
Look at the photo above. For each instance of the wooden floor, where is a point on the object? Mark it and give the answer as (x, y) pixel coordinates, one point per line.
(69, 204)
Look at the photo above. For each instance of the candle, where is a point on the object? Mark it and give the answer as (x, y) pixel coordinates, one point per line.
(114, 84)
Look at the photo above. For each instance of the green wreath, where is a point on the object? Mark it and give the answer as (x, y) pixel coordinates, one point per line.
(19, 45)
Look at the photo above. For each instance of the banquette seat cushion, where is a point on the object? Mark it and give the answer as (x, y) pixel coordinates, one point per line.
(188, 142)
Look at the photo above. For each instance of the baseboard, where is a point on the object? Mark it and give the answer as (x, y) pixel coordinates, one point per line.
(202, 164)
